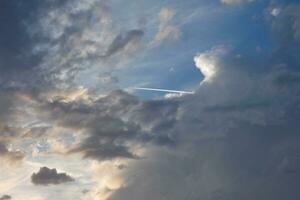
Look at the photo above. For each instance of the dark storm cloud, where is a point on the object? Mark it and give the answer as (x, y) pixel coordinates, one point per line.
(46, 176)
(5, 197)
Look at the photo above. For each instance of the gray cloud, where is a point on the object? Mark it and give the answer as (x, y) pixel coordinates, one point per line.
(234, 141)
(5, 197)
(285, 29)
(112, 124)
(108, 78)
(46, 176)
(236, 138)
(48, 54)
(78, 35)
(122, 40)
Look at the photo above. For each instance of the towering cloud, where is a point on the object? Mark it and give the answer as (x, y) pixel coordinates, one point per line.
(208, 62)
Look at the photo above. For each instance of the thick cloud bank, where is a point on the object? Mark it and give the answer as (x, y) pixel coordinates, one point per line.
(238, 138)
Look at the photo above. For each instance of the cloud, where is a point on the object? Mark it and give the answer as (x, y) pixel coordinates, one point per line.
(236, 137)
(166, 15)
(275, 12)
(208, 62)
(110, 127)
(15, 56)
(285, 22)
(167, 31)
(122, 40)
(78, 35)
(5, 197)
(108, 78)
(10, 156)
(46, 176)
(236, 2)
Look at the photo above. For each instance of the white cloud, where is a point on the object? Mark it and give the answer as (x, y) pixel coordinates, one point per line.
(275, 11)
(208, 62)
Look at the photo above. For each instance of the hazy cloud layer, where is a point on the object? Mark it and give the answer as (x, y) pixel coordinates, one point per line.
(167, 31)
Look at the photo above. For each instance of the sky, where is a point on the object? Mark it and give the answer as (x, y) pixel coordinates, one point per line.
(73, 126)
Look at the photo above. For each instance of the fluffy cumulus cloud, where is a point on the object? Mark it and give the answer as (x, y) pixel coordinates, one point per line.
(47, 176)
(208, 62)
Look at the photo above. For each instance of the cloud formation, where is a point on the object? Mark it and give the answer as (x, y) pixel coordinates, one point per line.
(122, 41)
(10, 156)
(5, 197)
(235, 138)
(208, 62)
(46, 176)
(110, 126)
(226, 137)
(167, 31)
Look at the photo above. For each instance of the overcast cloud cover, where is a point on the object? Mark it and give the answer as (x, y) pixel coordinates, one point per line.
(73, 127)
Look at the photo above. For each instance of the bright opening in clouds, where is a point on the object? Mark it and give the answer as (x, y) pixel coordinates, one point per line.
(143, 100)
